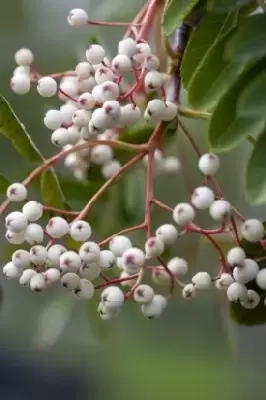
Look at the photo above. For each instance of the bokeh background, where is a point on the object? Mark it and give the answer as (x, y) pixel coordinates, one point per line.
(54, 347)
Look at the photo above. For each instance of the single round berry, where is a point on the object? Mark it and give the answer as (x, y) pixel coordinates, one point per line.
(201, 280)
(80, 231)
(107, 259)
(26, 277)
(21, 258)
(151, 62)
(89, 252)
(119, 244)
(67, 110)
(86, 101)
(15, 238)
(252, 301)
(246, 272)
(32, 210)
(143, 294)
(129, 114)
(24, 57)
(70, 281)
(37, 282)
(237, 292)
(54, 253)
(127, 47)
(10, 271)
(220, 210)
(112, 108)
(20, 84)
(77, 17)
(224, 281)
(38, 255)
(143, 50)
(154, 308)
(261, 279)
(121, 64)
(81, 118)
(154, 247)
(85, 290)
(183, 214)
(90, 271)
(171, 166)
(110, 169)
(236, 257)
(189, 292)
(95, 54)
(16, 192)
(53, 119)
(16, 222)
(253, 230)
(47, 86)
(60, 137)
(34, 234)
(73, 134)
(209, 164)
(155, 109)
(70, 262)
(202, 197)
(57, 227)
(167, 233)
(84, 70)
(112, 297)
(133, 259)
(101, 154)
(52, 275)
(103, 74)
(178, 266)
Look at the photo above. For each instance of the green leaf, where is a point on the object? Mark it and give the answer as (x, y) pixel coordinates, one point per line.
(4, 183)
(226, 129)
(78, 191)
(255, 179)
(175, 13)
(226, 5)
(249, 41)
(13, 129)
(132, 197)
(213, 78)
(200, 41)
(252, 102)
(50, 189)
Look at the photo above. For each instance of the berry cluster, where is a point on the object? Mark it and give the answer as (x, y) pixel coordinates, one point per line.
(98, 104)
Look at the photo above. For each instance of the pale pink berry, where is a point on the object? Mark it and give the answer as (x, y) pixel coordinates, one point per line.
(143, 294)
(121, 64)
(127, 47)
(89, 252)
(183, 214)
(133, 259)
(202, 197)
(57, 227)
(143, 50)
(84, 70)
(21, 258)
(95, 54)
(80, 231)
(38, 254)
(103, 74)
(86, 101)
(70, 262)
(151, 62)
(16, 222)
(154, 247)
(153, 81)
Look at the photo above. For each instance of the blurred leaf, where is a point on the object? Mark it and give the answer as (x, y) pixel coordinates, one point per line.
(74, 190)
(175, 13)
(200, 41)
(249, 41)
(252, 102)
(255, 179)
(227, 5)
(50, 189)
(52, 322)
(94, 174)
(4, 184)
(12, 128)
(132, 197)
(226, 129)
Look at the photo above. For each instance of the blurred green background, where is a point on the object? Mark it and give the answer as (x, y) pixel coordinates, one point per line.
(194, 350)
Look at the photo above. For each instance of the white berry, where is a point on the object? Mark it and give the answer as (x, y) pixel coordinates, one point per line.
(37, 282)
(16, 222)
(77, 17)
(127, 47)
(89, 252)
(253, 230)
(20, 84)
(112, 297)
(15, 238)
(52, 275)
(183, 214)
(129, 114)
(53, 119)
(54, 253)
(21, 259)
(47, 86)
(252, 300)
(154, 247)
(95, 54)
(202, 197)
(57, 227)
(84, 70)
(236, 256)
(86, 101)
(16, 192)
(143, 294)
(209, 164)
(80, 231)
(121, 63)
(133, 259)
(201, 280)
(101, 154)
(38, 254)
(247, 272)
(237, 292)
(70, 262)
(107, 259)
(70, 281)
(90, 271)
(167, 233)
(189, 291)
(110, 169)
(171, 166)
(224, 281)
(220, 209)
(261, 279)
(178, 266)
(32, 210)
(24, 57)
(119, 244)
(26, 276)
(10, 271)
